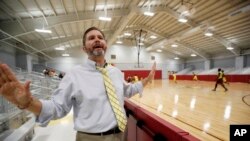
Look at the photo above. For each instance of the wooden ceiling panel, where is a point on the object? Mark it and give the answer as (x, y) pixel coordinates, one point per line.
(68, 19)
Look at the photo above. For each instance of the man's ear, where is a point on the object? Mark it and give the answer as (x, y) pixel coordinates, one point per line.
(84, 48)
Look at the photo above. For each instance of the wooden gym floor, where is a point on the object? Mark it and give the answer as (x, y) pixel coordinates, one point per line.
(195, 108)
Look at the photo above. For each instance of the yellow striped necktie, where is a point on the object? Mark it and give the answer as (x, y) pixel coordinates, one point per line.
(120, 116)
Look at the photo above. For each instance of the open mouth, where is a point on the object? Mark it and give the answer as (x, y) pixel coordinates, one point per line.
(98, 46)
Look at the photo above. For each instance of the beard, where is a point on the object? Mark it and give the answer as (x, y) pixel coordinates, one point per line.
(97, 52)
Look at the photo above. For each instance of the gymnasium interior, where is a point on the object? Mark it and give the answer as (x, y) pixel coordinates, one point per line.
(183, 38)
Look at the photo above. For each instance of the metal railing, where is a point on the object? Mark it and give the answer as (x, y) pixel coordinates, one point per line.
(12, 119)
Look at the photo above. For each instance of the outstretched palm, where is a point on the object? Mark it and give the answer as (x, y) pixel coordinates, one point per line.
(11, 88)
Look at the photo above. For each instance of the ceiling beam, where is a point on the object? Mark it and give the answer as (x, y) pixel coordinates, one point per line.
(195, 27)
(25, 9)
(74, 5)
(124, 21)
(52, 8)
(7, 11)
(173, 39)
(226, 43)
(197, 52)
(155, 9)
(168, 11)
(11, 14)
(14, 46)
(42, 13)
(127, 15)
(63, 5)
(18, 40)
(31, 24)
(149, 29)
(177, 35)
(55, 42)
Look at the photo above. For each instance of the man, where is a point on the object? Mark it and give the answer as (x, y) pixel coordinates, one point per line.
(84, 89)
(219, 80)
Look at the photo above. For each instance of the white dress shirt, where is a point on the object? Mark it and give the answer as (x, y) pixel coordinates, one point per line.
(83, 89)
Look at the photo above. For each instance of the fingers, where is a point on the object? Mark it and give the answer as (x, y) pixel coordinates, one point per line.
(8, 89)
(152, 72)
(153, 69)
(1, 81)
(2, 76)
(150, 76)
(6, 74)
(27, 86)
(154, 66)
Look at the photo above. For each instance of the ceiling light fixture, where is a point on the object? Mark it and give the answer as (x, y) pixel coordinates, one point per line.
(127, 34)
(174, 45)
(182, 18)
(119, 42)
(176, 58)
(159, 50)
(193, 55)
(230, 46)
(59, 48)
(43, 30)
(153, 37)
(105, 18)
(148, 12)
(141, 44)
(209, 32)
(65, 55)
(186, 9)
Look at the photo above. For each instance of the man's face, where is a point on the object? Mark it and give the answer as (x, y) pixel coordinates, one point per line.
(95, 44)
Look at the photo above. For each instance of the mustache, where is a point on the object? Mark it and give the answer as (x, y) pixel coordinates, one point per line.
(98, 45)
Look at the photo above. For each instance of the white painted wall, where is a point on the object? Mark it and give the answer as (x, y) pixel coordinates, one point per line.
(170, 65)
(65, 63)
(126, 56)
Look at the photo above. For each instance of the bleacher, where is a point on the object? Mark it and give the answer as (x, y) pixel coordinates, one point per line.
(16, 124)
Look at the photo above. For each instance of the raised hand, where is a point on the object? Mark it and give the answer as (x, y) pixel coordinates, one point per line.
(151, 75)
(12, 90)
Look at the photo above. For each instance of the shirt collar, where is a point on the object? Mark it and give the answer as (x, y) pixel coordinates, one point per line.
(92, 64)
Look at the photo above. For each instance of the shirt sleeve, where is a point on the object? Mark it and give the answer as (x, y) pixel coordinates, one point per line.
(132, 89)
(59, 105)
(45, 116)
